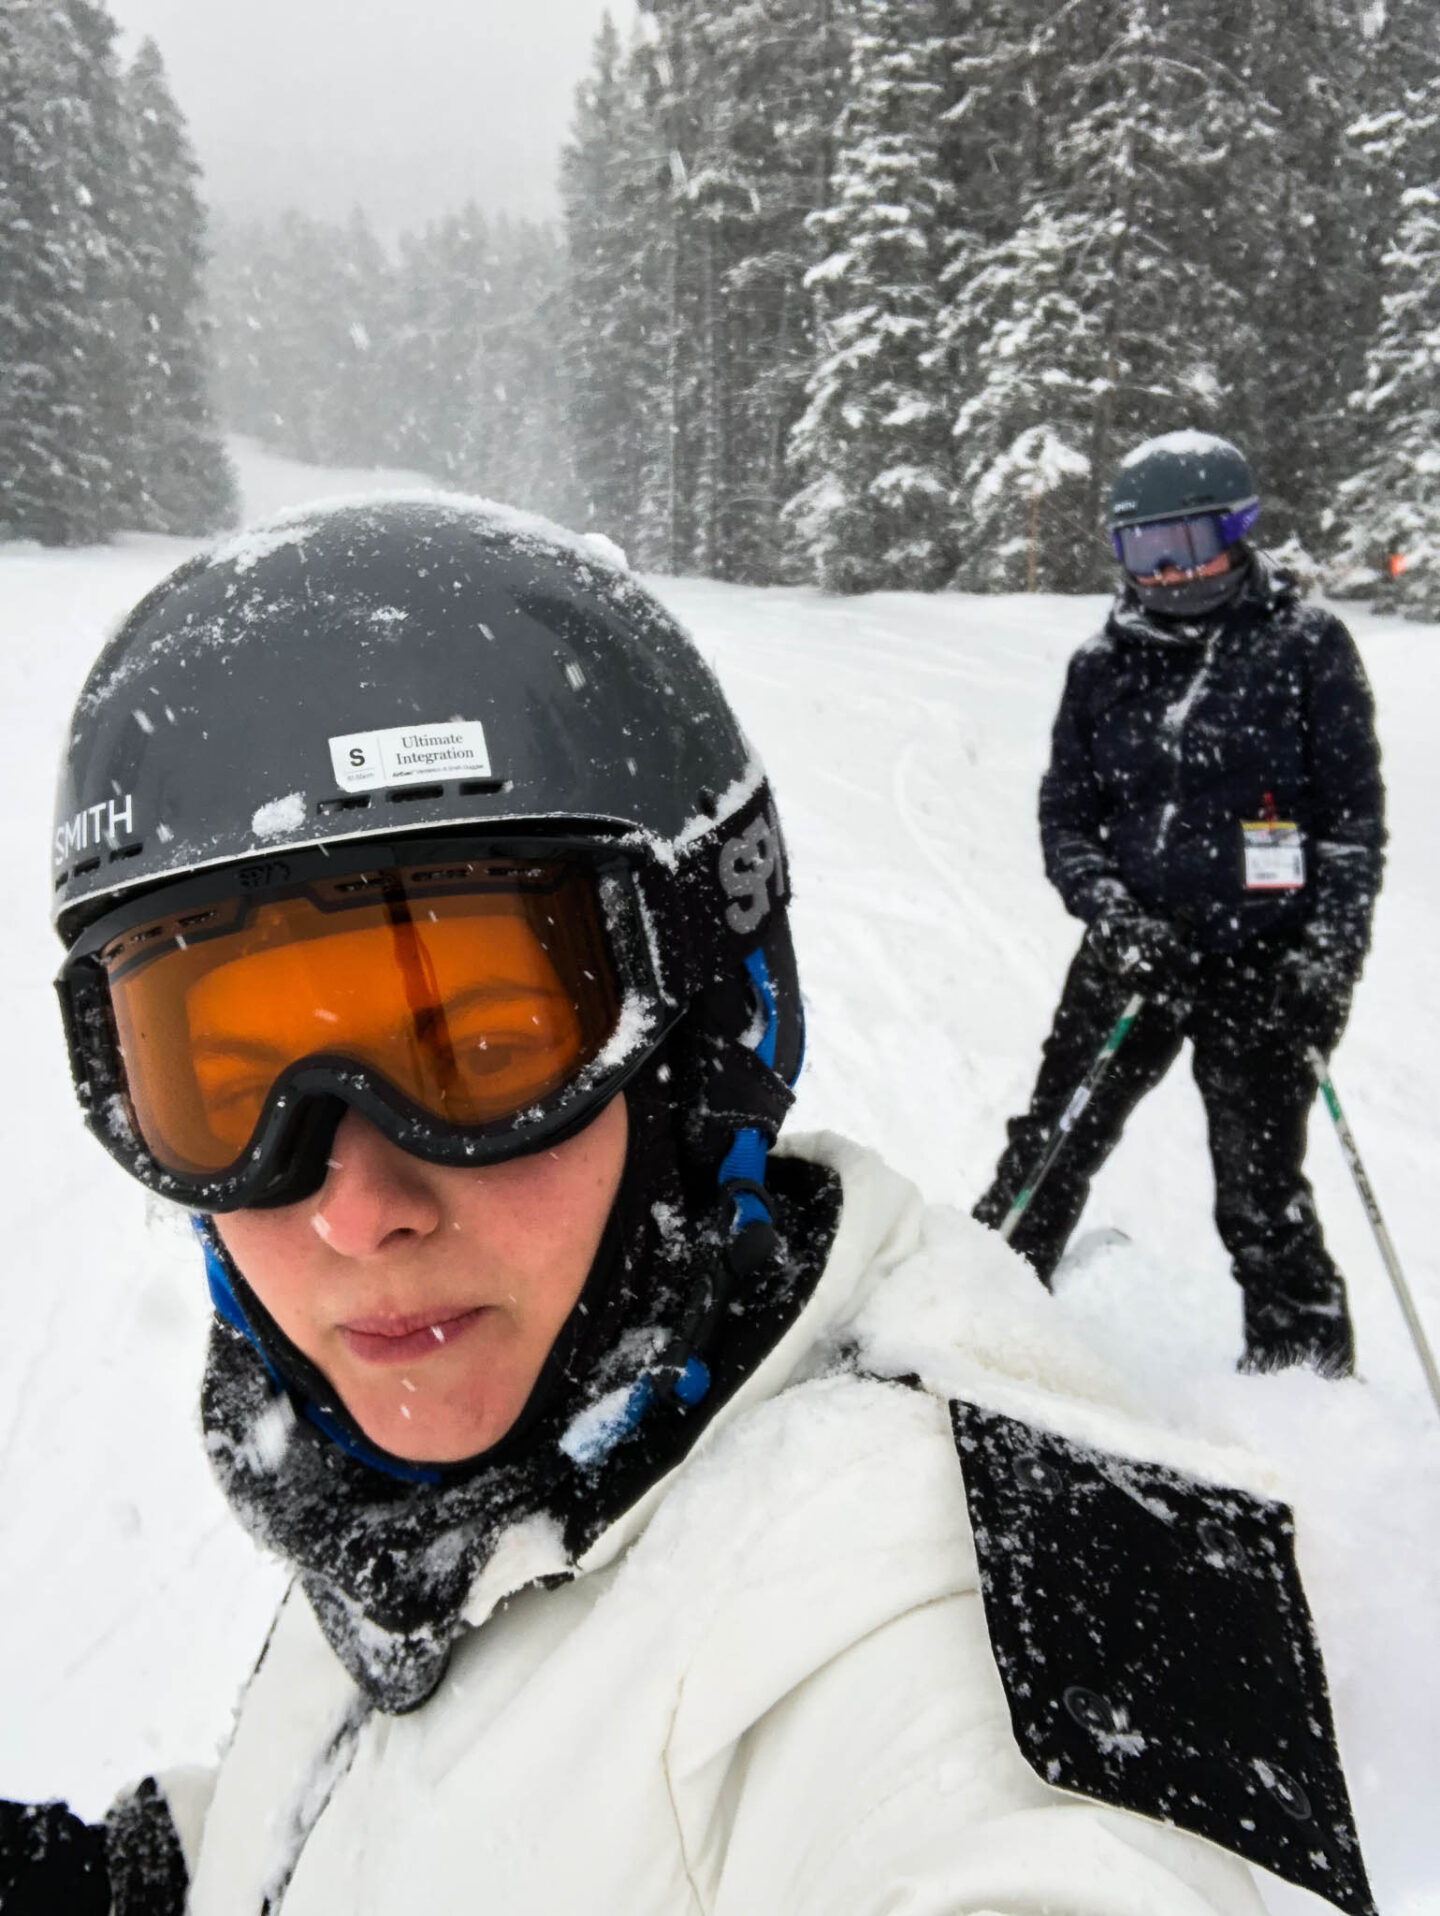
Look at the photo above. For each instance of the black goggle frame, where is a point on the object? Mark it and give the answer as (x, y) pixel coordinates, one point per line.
(284, 1160)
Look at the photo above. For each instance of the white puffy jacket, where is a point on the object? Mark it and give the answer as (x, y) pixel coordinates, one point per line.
(770, 1689)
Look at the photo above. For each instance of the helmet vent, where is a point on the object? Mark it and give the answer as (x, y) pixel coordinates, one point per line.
(83, 870)
(409, 795)
(126, 851)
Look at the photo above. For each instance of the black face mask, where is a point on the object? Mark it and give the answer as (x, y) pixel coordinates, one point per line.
(1193, 598)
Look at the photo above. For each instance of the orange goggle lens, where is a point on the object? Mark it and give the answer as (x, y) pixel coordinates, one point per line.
(475, 994)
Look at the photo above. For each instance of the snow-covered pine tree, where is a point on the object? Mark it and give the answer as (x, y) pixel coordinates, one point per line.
(1391, 506)
(63, 417)
(32, 296)
(304, 311)
(1302, 243)
(235, 299)
(876, 504)
(767, 78)
(177, 478)
(89, 120)
(446, 276)
(615, 300)
(1111, 311)
(360, 403)
(446, 359)
(697, 159)
(518, 446)
(996, 149)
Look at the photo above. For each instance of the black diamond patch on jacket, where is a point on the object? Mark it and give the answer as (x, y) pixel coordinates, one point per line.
(1157, 1650)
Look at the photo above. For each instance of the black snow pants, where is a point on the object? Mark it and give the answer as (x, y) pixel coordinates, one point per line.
(1258, 1089)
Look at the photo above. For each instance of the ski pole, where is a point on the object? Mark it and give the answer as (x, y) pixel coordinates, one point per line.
(1351, 1153)
(1084, 1091)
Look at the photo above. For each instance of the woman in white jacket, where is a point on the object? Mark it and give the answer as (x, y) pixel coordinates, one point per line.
(678, 1523)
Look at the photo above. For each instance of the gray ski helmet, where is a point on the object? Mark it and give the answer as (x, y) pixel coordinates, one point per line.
(1193, 476)
(1177, 475)
(406, 663)
(435, 668)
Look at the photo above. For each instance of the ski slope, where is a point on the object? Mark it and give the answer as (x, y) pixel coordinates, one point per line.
(905, 737)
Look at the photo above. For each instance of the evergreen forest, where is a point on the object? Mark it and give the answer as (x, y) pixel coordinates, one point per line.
(105, 403)
(866, 293)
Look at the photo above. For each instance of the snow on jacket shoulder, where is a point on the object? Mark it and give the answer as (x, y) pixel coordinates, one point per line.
(770, 1686)
(1168, 737)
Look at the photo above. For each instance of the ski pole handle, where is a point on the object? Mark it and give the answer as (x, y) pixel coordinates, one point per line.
(1070, 1116)
(1351, 1153)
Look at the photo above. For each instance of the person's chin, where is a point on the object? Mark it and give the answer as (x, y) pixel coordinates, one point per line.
(421, 1432)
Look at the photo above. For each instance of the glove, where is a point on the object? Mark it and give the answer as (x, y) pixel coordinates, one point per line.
(50, 1861)
(1314, 982)
(1142, 948)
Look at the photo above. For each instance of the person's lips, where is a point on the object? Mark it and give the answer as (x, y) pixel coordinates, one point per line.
(408, 1339)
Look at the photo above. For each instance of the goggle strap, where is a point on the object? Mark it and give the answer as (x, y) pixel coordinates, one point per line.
(219, 1276)
(1234, 525)
(751, 1237)
(711, 911)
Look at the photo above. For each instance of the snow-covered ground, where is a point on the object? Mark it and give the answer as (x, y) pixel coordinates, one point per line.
(905, 736)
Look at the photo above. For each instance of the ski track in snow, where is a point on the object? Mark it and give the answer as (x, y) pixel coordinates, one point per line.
(905, 737)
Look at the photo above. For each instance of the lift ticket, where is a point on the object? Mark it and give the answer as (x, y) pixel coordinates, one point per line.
(1274, 854)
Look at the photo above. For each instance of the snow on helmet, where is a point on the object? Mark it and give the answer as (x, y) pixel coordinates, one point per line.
(1182, 500)
(437, 710)
(1178, 474)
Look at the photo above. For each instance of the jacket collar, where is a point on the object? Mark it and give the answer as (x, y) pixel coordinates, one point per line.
(921, 1296)
(880, 1226)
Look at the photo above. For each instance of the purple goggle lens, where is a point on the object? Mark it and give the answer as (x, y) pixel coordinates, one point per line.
(1183, 543)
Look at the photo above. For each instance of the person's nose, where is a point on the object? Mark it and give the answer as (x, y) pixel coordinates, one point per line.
(375, 1196)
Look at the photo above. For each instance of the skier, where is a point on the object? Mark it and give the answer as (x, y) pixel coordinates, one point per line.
(427, 937)
(1214, 811)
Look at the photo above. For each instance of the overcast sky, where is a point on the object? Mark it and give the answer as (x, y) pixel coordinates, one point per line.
(407, 107)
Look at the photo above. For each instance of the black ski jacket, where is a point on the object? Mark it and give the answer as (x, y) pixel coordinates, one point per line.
(1169, 736)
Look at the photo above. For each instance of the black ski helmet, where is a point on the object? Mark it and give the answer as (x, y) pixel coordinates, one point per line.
(432, 667)
(244, 708)
(1183, 475)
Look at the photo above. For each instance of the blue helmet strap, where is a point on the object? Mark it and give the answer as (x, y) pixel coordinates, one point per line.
(740, 1078)
(742, 1173)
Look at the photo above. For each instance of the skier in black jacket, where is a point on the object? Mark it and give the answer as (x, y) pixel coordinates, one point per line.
(1214, 811)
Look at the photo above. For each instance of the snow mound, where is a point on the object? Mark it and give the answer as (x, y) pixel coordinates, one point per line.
(281, 815)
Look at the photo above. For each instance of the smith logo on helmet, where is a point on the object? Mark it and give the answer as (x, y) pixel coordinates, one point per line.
(99, 826)
(748, 864)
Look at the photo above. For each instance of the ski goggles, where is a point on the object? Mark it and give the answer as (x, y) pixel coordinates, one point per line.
(1186, 544)
(472, 1005)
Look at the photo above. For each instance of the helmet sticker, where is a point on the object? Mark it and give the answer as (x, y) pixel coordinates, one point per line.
(410, 755)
